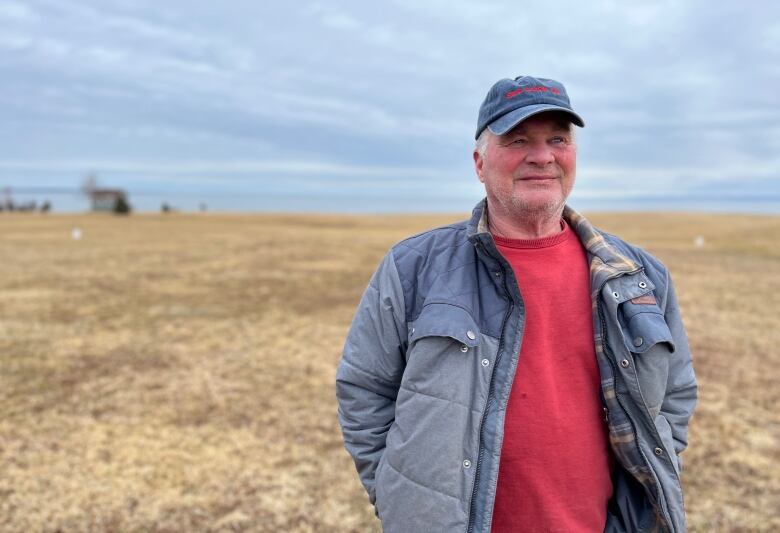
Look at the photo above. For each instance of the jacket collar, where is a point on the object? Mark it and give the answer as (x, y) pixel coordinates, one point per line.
(599, 250)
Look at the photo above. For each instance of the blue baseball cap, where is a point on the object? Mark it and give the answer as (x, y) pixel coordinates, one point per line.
(509, 102)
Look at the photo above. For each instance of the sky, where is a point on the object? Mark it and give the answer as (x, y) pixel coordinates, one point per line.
(358, 107)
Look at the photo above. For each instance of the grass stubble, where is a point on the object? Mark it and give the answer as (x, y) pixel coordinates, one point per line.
(176, 373)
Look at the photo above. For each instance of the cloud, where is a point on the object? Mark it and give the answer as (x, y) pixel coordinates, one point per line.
(15, 12)
(255, 167)
(332, 91)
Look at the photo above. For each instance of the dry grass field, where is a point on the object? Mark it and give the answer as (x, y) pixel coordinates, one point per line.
(176, 373)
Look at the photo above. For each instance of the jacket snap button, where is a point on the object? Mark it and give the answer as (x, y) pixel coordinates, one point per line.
(485, 362)
(616, 295)
(497, 273)
(638, 341)
(464, 348)
(470, 334)
(658, 451)
(624, 363)
(466, 463)
(642, 285)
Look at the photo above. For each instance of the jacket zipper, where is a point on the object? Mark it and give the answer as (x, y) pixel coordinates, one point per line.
(489, 402)
(608, 355)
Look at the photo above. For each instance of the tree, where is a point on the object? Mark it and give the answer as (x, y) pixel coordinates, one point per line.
(121, 206)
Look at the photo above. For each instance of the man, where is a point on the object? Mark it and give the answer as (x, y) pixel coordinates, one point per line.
(523, 370)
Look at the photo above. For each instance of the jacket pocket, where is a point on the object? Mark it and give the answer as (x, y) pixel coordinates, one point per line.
(378, 487)
(445, 344)
(647, 336)
(446, 320)
(644, 326)
(665, 432)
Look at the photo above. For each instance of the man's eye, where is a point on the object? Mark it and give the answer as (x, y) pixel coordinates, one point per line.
(558, 140)
(518, 141)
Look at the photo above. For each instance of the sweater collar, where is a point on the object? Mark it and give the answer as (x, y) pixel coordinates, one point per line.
(591, 238)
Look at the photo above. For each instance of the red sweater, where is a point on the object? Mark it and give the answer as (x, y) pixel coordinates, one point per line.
(554, 473)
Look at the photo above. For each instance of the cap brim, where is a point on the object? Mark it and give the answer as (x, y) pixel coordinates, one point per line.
(504, 124)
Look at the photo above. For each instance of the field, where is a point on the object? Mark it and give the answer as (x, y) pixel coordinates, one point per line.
(176, 373)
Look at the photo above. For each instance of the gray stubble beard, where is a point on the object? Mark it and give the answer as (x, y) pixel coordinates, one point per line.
(519, 208)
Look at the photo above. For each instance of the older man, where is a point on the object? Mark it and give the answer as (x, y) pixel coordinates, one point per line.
(523, 370)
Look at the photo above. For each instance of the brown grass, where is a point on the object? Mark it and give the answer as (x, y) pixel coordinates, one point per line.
(171, 373)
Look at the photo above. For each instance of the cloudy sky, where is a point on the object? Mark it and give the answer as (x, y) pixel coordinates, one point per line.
(360, 106)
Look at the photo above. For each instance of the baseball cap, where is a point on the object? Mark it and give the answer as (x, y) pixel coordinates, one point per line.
(509, 102)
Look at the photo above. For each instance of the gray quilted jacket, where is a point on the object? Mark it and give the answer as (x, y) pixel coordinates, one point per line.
(429, 361)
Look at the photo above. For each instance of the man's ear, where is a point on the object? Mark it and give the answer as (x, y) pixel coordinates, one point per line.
(479, 161)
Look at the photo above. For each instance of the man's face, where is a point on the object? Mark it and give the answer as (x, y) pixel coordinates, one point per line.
(529, 171)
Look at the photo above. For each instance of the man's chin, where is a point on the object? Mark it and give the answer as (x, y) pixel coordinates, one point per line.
(543, 207)
(541, 200)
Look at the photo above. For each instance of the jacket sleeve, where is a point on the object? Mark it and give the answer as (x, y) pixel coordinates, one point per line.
(370, 371)
(681, 389)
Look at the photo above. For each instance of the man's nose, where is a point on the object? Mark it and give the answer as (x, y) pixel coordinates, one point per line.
(540, 154)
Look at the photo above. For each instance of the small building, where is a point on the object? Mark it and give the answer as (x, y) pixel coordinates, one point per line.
(105, 199)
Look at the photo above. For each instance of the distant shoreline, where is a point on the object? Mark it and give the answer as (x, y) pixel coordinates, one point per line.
(455, 215)
(400, 204)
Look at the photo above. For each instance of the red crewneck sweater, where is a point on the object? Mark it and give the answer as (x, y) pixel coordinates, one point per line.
(554, 473)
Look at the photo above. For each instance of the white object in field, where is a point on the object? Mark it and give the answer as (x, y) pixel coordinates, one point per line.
(76, 234)
(698, 242)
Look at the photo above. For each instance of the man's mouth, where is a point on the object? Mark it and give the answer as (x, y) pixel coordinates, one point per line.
(537, 178)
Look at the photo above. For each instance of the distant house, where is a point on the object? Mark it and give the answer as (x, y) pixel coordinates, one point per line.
(105, 199)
